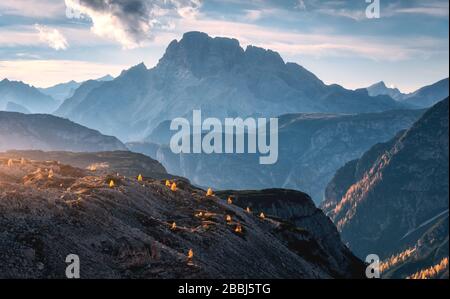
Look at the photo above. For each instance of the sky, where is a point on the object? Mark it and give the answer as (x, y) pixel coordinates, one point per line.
(45, 42)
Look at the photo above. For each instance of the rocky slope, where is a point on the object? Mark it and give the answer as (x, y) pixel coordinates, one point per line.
(219, 77)
(25, 95)
(47, 132)
(49, 210)
(123, 162)
(394, 200)
(311, 148)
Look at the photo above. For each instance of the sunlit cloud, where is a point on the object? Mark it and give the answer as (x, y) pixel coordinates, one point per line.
(52, 37)
(131, 23)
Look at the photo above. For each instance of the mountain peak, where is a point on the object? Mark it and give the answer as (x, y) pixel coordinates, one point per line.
(380, 84)
(258, 55)
(201, 54)
(137, 69)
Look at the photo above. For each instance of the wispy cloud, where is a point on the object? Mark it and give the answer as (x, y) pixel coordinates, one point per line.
(133, 22)
(355, 10)
(322, 44)
(33, 8)
(433, 8)
(52, 37)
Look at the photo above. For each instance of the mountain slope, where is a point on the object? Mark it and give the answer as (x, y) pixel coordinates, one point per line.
(304, 141)
(219, 77)
(397, 195)
(25, 95)
(429, 95)
(63, 91)
(47, 132)
(13, 107)
(128, 228)
(77, 97)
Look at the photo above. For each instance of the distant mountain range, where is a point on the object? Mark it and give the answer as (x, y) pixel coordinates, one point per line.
(18, 94)
(425, 97)
(63, 91)
(219, 77)
(394, 200)
(311, 148)
(20, 97)
(47, 132)
(380, 88)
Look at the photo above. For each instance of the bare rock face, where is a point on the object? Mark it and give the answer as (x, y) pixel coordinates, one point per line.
(124, 228)
(394, 200)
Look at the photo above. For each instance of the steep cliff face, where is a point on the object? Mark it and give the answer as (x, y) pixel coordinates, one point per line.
(126, 230)
(46, 132)
(298, 208)
(395, 198)
(311, 148)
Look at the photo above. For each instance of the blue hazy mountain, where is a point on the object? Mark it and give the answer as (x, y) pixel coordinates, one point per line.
(380, 88)
(219, 77)
(311, 148)
(424, 97)
(13, 107)
(429, 95)
(77, 97)
(26, 96)
(63, 91)
(47, 132)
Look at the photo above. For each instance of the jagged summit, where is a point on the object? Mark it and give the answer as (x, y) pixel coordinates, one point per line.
(137, 69)
(218, 76)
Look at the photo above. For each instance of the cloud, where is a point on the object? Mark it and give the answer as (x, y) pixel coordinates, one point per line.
(131, 22)
(32, 8)
(436, 8)
(44, 73)
(317, 45)
(253, 15)
(300, 5)
(355, 10)
(52, 37)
